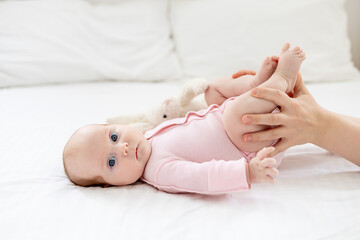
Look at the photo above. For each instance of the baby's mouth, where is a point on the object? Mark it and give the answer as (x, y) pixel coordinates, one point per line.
(136, 151)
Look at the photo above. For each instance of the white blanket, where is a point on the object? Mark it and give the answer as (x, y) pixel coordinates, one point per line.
(316, 196)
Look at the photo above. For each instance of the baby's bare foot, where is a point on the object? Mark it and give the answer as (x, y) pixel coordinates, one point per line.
(267, 69)
(289, 64)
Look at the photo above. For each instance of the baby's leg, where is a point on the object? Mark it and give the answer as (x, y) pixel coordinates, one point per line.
(266, 70)
(223, 88)
(284, 79)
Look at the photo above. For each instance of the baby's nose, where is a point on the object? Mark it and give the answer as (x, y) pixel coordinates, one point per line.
(124, 148)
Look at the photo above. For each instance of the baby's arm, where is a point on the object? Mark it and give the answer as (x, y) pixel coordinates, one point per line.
(262, 168)
(215, 176)
(212, 177)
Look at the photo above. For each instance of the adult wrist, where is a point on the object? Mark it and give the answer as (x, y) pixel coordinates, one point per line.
(321, 127)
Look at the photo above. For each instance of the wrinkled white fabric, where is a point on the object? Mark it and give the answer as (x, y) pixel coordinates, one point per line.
(316, 195)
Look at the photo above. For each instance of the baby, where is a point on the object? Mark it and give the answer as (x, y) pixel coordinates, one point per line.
(201, 153)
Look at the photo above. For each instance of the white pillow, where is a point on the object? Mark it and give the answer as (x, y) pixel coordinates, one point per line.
(47, 41)
(217, 38)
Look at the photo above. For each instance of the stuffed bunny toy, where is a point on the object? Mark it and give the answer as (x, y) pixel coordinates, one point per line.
(190, 99)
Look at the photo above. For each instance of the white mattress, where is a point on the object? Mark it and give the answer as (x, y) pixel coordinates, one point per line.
(317, 195)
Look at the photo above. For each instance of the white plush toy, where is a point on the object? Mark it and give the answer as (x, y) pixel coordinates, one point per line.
(191, 98)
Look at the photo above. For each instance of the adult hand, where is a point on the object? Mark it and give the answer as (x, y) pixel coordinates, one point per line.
(298, 122)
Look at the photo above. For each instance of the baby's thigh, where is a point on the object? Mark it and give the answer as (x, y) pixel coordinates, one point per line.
(232, 116)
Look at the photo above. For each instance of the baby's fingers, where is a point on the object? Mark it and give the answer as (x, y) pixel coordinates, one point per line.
(268, 162)
(273, 172)
(264, 152)
(269, 179)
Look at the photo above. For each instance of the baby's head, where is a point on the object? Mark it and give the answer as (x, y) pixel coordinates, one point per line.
(106, 155)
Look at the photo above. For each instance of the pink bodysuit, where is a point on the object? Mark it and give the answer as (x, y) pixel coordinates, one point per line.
(194, 154)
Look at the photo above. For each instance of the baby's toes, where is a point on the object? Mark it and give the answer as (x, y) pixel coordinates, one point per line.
(274, 64)
(302, 55)
(299, 53)
(297, 50)
(274, 58)
(274, 61)
(285, 47)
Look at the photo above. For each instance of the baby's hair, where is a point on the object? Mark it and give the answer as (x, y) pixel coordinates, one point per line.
(69, 153)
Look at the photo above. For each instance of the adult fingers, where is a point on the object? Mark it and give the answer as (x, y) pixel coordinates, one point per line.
(264, 152)
(281, 146)
(263, 118)
(265, 135)
(243, 72)
(274, 95)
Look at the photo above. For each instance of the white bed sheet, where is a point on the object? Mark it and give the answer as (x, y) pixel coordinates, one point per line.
(317, 195)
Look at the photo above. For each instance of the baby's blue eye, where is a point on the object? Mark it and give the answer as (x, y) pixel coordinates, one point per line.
(112, 162)
(114, 137)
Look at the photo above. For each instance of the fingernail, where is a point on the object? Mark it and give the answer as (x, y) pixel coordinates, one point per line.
(254, 92)
(246, 120)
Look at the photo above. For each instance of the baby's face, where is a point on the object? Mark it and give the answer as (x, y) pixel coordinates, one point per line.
(116, 154)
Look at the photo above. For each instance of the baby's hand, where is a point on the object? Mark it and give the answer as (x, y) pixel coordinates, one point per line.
(261, 168)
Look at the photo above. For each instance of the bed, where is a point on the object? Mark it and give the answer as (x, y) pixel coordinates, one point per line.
(316, 196)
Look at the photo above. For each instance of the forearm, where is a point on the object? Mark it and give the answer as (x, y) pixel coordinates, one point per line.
(351, 118)
(340, 135)
(212, 177)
